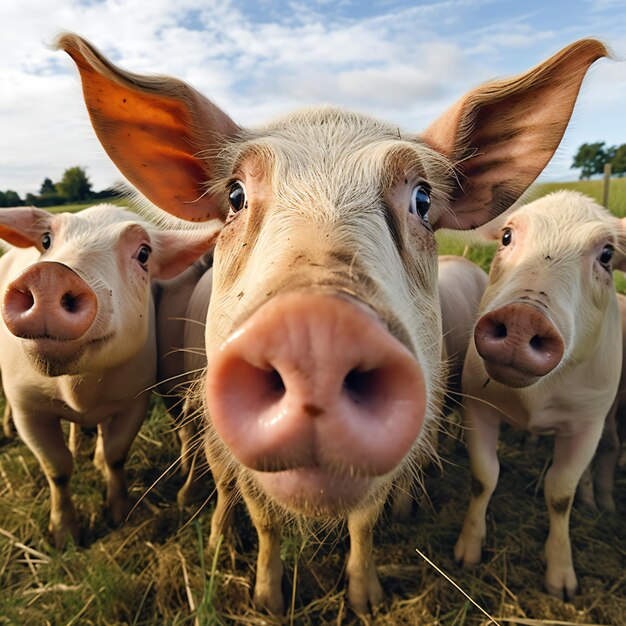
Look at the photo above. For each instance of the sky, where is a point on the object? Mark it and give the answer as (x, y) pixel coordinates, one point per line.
(404, 62)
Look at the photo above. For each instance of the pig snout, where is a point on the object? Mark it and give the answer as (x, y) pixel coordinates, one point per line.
(518, 343)
(49, 300)
(315, 381)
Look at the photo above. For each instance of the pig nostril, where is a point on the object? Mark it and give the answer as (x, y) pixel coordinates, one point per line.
(23, 299)
(359, 385)
(499, 331)
(69, 302)
(276, 383)
(537, 343)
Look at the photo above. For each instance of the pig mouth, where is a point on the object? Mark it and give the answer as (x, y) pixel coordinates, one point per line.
(53, 356)
(314, 490)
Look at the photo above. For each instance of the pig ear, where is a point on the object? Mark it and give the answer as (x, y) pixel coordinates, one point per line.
(502, 134)
(23, 226)
(159, 131)
(176, 250)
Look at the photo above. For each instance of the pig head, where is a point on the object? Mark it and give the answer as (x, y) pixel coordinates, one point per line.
(323, 333)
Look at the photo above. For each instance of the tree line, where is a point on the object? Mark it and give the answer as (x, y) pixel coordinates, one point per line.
(74, 186)
(591, 158)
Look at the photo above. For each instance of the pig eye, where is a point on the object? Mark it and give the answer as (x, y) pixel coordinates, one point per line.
(507, 236)
(143, 254)
(420, 202)
(237, 197)
(46, 241)
(606, 255)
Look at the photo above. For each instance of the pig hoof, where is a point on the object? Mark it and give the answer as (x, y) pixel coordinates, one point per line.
(467, 554)
(365, 593)
(269, 598)
(62, 533)
(606, 503)
(118, 511)
(563, 587)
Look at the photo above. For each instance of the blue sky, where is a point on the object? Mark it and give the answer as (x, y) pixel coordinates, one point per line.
(401, 61)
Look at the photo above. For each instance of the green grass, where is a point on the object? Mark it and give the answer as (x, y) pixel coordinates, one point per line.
(75, 208)
(593, 188)
(154, 570)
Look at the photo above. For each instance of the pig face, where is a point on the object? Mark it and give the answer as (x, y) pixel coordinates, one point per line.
(323, 333)
(80, 300)
(549, 288)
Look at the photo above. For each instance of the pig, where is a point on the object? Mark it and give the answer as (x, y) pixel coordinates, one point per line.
(77, 338)
(461, 284)
(180, 360)
(323, 333)
(596, 486)
(546, 358)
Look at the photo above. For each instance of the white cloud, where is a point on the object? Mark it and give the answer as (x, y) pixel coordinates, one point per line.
(405, 64)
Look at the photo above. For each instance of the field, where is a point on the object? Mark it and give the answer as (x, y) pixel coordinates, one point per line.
(155, 569)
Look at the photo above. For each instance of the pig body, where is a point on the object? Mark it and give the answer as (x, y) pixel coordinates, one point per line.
(596, 486)
(461, 286)
(181, 360)
(78, 337)
(323, 333)
(546, 358)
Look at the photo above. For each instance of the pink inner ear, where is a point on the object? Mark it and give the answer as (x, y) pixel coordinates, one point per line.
(154, 128)
(501, 135)
(23, 227)
(175, 251)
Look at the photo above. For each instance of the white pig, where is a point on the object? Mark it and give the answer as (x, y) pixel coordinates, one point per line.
(546, 358)
(323, 334)
(77, 337)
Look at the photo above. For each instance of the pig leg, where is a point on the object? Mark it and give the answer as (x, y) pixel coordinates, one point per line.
(189, 450)
(607, 457)
(227, 494)
(482, 440)
(7, 428)
(115, 437)
(363, 584)
(44, 437)
(268, 592)
(572, 455)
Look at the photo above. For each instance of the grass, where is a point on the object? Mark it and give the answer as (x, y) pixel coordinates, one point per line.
(154, 570)
(75, 208)
(593, 188)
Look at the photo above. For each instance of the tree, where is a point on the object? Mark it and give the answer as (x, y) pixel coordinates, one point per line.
(618, 163)
(47, 187)
(75, 185)
(10, 198)
(591, 158)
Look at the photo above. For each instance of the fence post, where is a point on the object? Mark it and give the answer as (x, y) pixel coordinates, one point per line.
(607, 180)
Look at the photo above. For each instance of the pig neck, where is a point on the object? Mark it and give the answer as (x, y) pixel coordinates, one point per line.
(566, 400)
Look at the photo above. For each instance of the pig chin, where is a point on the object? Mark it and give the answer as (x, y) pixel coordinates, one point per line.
(54, 358)
(510, 375)
(314, 490)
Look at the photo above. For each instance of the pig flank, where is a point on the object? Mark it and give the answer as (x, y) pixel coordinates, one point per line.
(324, 269)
